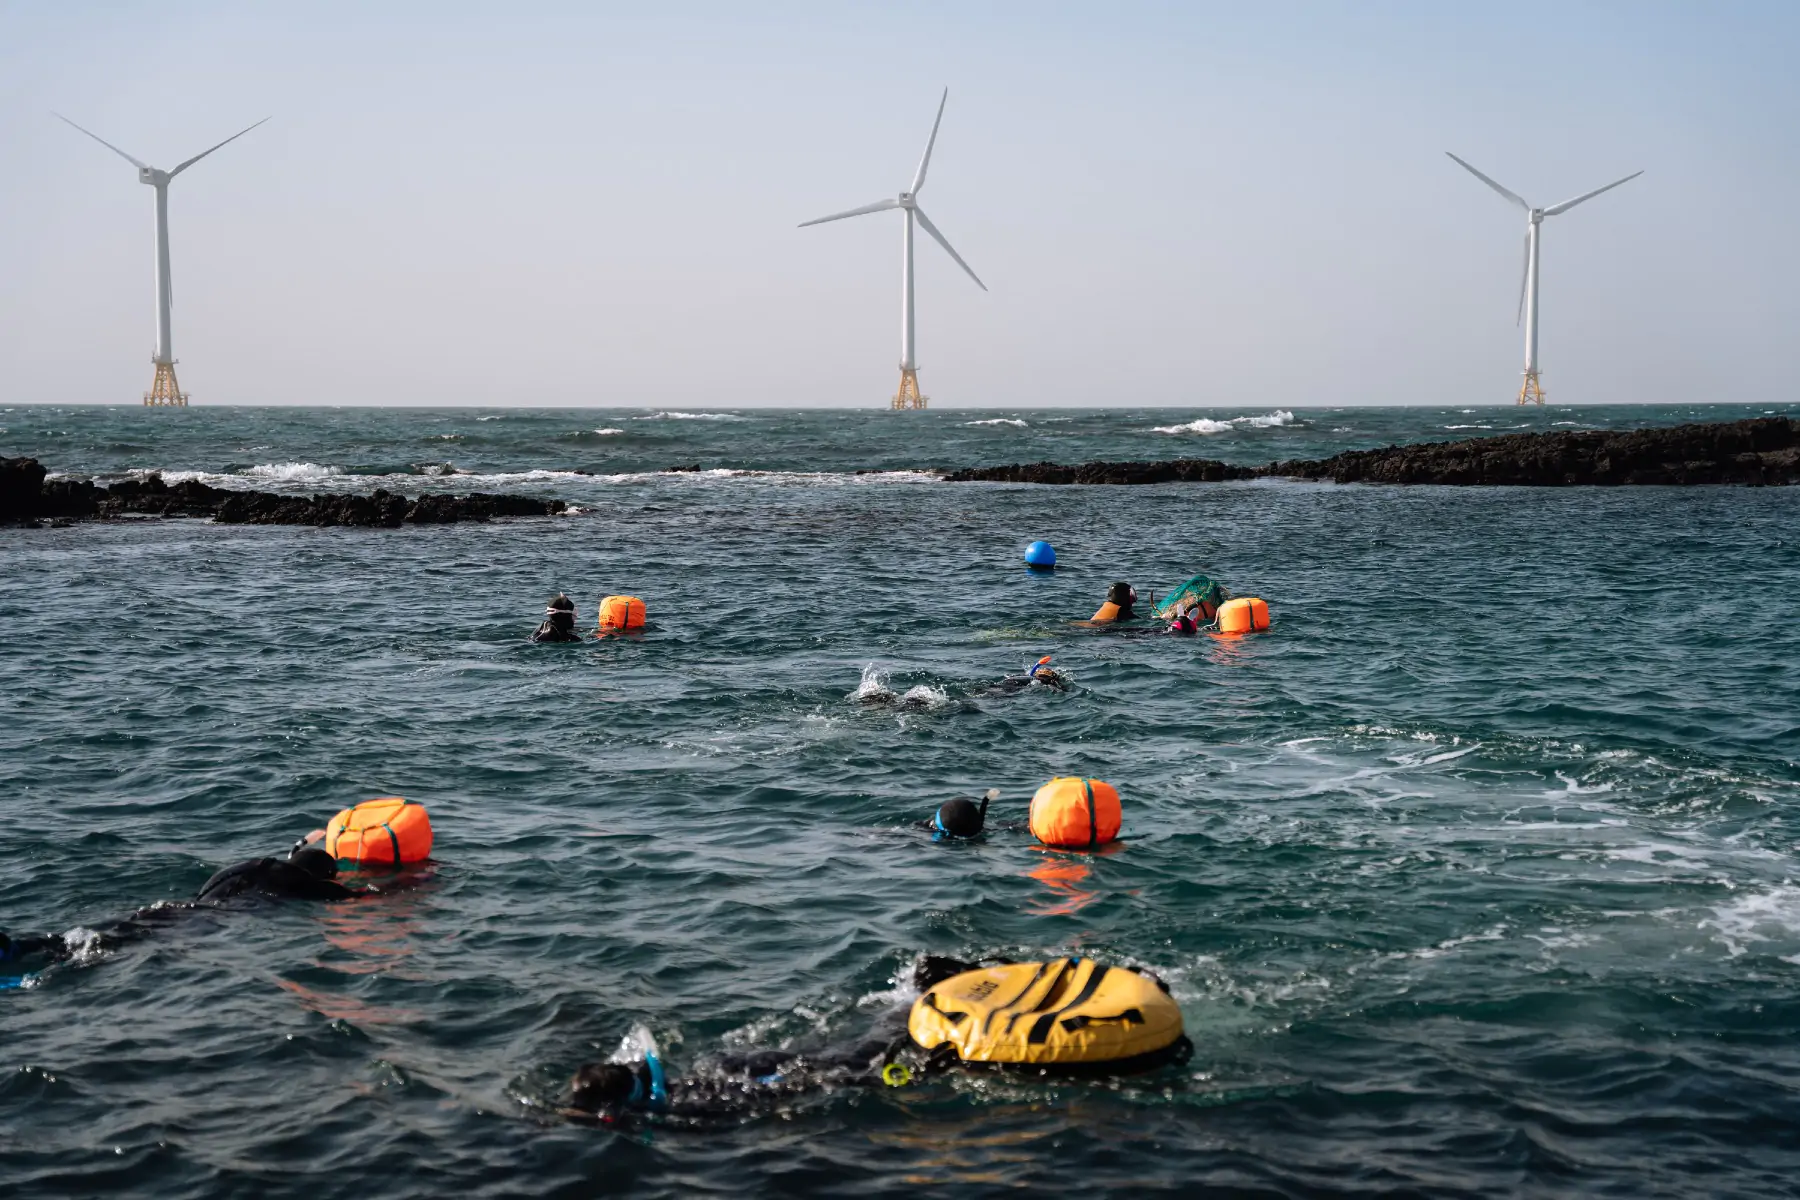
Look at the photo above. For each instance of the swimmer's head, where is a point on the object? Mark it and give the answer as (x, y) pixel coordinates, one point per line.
(961, 817)
(315, 862)
(958, 817)
(1042, 664)
(1121, 594)
(600, 1086)
(560, 603)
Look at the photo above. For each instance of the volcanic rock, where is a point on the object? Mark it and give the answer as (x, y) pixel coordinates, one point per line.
(1755, 452)
(25, 495)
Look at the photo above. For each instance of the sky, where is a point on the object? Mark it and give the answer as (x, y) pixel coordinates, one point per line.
(1183, 203)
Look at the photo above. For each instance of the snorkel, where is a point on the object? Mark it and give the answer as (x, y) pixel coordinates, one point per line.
(657, 1095)
(958, 817)
(1040, 665)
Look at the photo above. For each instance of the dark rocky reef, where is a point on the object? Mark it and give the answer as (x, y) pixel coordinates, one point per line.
(25, 495)
(1762, 451)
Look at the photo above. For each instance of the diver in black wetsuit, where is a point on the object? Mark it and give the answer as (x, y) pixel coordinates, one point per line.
(307, 873)
(733, 1085)
(1040, 673)
(559, 622)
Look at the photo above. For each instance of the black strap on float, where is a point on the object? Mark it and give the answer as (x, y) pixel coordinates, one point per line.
(1023, 994)
(393, 840)
(1040, 1032)
(930, 1001)
(1130, 1016)
(1093, 818)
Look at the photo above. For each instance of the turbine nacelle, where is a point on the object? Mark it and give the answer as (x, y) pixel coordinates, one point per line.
(153, 176)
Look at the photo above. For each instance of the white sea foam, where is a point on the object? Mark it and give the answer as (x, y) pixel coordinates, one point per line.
(1206, 425)
(608, 432)
(1001, 421)
(1203, 425)
(1272, 420)
(873, 689)
(1760, 916)
(491, 418)
(288, 472)
(1468, 427)
(923, 695)
(672, 415)
(873, 686)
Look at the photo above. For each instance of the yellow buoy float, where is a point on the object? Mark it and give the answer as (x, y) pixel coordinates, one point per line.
(1076, 814)
(388, 832)
(1065, 1013)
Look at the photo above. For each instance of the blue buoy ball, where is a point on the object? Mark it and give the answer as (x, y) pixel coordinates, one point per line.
(1040, 556)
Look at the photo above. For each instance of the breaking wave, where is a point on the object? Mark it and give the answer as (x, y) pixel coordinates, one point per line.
(1014, 421)
(672, 415)
(1206, 425)
(290, 472)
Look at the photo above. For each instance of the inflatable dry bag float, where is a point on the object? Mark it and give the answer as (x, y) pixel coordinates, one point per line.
(621, 612)
(389, 832)
(1076, 814)
(1067, 1014)
(1246, 614)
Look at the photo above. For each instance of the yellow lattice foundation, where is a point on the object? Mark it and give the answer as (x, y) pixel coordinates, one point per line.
(1533, 390)
(165, 390)
(908, 395)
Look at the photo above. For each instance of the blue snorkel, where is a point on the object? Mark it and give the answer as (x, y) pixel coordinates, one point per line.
(658, 1096)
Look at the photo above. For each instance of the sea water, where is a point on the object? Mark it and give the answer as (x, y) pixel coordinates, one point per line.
(1478, 874)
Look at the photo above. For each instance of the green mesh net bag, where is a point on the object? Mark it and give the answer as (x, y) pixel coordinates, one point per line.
(1202, 591)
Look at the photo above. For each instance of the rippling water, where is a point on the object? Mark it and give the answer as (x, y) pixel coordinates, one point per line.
(1476, 875)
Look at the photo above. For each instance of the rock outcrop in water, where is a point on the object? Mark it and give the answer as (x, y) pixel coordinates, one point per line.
(1762, 451)
(26, 495)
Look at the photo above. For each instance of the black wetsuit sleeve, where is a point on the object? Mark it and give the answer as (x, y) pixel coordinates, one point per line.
(271, 877)
(48, 946)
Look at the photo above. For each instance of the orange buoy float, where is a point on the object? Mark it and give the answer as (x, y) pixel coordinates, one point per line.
(389, 832)
(1246, 614)
(621, 612)
(1076, 814)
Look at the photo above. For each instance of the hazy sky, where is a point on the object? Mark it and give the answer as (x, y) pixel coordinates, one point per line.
(1180, 203)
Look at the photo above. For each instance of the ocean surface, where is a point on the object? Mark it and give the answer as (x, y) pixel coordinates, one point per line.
(1478, 874)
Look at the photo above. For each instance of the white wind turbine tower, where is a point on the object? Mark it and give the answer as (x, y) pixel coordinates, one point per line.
(1528, 282)
(163, 390)
(908, 396)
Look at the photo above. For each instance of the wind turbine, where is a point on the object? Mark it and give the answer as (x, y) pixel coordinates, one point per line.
(163, 390)
(1528, 281)
(908, 396)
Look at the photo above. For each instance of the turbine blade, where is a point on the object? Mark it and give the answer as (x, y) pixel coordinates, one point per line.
(878, 206)
(933, 231)
(234, 137)
(1524, 277)
(1516, 199)
(919, 179)
(134, 162)
(1566, 205)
